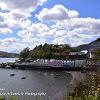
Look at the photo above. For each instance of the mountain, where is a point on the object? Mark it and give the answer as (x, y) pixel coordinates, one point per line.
(8, 55)
(90, 46)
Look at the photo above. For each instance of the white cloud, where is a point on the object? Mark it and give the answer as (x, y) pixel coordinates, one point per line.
(16, 45)
(58, 12)
(73, 31)
(25, 36)
(8, 41)
(1, 17)
(20, 4)
(32, 34)
(5, 30)
(68, 27)
(73, 14)
(81, 25)
(24, 24)
(10, 44)
(39, 28)
(30, 30)
(16, 12)
(78, 30)
(19, 14)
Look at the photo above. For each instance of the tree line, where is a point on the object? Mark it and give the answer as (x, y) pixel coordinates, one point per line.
(48, 51)
(51, 51)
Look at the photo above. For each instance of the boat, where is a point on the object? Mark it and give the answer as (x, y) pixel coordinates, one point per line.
(23, 77)
(57, 74)
(12, 74)
(8, 66)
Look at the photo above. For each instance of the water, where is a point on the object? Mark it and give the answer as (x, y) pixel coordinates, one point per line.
(39, 82)
(5, 60)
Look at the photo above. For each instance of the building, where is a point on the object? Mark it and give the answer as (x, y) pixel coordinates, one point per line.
(77, 55)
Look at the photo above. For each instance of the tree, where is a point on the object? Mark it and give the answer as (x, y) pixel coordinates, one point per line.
(24, 54)
(98, 39)
(47, 51)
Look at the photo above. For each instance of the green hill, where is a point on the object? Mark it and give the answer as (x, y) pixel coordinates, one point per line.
(48, 51)
(93, 45)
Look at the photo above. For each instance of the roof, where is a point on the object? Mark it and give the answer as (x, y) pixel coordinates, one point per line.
(77, 53)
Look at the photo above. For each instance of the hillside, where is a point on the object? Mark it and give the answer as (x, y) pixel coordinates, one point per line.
(55, 51)
(93, 45)
(8, 55)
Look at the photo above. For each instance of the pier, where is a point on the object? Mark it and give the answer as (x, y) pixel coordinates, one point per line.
(46, 66)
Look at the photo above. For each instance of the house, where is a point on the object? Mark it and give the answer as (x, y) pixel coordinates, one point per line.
(77, 55)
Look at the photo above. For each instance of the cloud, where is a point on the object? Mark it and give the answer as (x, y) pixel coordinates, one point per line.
(20, 4)
(15, 12)
(8, 40)
(78, 30)
(33, 29)
(39, 28)
(16, 45)
(81, 25)
(73, 31)
(25, 36)
(5, 30)
(73, 14)
(58, 12)
(62, 26)
(19, 14)
(68, 26)
(9, 44)
(1, 17)
(32, 33)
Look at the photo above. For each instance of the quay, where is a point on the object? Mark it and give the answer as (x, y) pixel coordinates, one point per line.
(66, 67)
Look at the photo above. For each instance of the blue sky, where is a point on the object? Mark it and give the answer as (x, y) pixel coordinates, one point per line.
(27, 23)
(87, 8)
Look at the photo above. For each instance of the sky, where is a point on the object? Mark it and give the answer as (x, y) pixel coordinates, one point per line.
(27, 23)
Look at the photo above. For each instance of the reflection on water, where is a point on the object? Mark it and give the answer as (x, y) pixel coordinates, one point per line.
(54, 84)
(5, 60)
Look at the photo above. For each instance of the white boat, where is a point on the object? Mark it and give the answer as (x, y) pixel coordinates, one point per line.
(8, 66)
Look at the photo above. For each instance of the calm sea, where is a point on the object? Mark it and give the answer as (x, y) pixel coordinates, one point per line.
(53, 84)
(4, 60)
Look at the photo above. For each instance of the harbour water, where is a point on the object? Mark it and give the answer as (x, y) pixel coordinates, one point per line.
(53, 84)
(5, 60)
